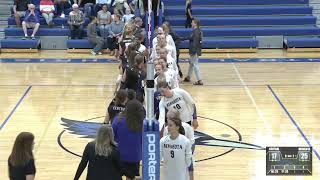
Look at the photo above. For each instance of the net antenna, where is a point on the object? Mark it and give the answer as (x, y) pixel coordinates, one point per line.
(151, 134)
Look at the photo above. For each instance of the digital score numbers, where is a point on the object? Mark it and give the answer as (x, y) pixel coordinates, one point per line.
(289, 160)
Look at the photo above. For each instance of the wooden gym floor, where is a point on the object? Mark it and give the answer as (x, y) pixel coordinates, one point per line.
(261, 101)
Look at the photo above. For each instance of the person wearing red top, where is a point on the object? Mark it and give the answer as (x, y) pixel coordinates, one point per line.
(47, 10)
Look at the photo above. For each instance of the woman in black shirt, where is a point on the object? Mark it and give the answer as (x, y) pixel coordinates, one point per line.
(103, 157)
(21, 161)
(134, 76)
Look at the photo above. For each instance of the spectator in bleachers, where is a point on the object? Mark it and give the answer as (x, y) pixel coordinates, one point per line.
(75, 21)
(115, 12)
(188, 14)
(31, 20)
(88, 6)
(93, 36)
(21, 160)
(128, 16)
(63, 7)
(127, 129)
(100, 4)
(119, 5)
(19, 9)
(47, 10)
(139, 29)
(137, 7)
(115, 31)
(155, 8)
(103, 157)
(104, 20)
(195, 40)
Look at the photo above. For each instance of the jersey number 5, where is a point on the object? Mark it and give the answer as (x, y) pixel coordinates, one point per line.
(172, 153)
(177, 106)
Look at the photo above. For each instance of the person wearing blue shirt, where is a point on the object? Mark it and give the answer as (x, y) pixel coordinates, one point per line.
(100, 3)
(31, 20)
(127, 128)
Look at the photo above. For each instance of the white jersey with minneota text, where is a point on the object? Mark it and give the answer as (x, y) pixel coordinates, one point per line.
(172, 64)
(180, 101)
(189, 132)
(177, 157)
(170, 79)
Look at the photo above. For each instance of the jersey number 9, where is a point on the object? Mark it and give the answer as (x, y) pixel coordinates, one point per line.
(172, 153)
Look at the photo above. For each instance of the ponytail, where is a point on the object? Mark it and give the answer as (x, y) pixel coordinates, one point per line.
(173, 116)
(181, 129)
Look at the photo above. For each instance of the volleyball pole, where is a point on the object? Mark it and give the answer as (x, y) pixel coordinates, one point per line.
(151, 134)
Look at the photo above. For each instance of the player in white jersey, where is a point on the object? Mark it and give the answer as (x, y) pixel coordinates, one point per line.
(169, 38)
(188, 130)
(175, 150)
(172, 64)
(171, 75)
(162, 43)
(179, 100)
(161, 75)
(189, 133)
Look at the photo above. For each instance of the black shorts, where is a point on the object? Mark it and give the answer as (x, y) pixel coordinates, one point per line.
(130, 170)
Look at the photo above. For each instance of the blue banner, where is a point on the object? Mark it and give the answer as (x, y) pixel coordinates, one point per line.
(151, 151)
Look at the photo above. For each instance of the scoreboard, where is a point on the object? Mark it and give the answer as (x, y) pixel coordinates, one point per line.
(289, 160)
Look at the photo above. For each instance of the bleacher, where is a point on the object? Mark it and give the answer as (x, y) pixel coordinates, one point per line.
(236, 24)
(228, 25)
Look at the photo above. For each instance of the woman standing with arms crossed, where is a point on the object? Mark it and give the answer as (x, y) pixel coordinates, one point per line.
(103, 157)
(21, 160)
(195, 41)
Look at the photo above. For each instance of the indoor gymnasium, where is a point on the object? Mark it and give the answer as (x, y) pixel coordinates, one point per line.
(159, 89)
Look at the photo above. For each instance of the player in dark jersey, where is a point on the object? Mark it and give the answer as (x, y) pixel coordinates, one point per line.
(125, 40)
(126, 61)
(134, 76)
(116, 106)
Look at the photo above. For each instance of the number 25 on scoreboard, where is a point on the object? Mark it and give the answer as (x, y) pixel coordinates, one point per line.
(304, 156)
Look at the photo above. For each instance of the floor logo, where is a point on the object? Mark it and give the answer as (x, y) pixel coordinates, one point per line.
(88, 129)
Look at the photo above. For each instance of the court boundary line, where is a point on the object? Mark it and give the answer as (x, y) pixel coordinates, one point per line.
(229, 59)
(253, 100)
(293, 121)
(205, 85)
(16, 107)
(36, 148)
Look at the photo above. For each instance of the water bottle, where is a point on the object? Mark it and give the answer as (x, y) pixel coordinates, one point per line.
(62, 26)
